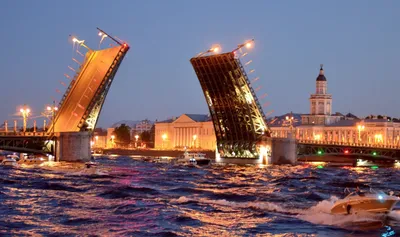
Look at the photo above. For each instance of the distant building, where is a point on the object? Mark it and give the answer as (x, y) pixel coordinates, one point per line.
(195, 131)
(320, 104)
(321, 125)
(110, 138)
(142, 126)
(99, 138)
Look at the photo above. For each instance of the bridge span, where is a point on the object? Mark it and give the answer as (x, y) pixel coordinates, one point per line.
(79, 109)
(307, 148)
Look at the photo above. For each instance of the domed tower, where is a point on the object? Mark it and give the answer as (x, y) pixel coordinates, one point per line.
(321, 102)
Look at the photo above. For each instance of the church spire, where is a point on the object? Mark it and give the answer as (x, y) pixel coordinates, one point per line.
(321, 76)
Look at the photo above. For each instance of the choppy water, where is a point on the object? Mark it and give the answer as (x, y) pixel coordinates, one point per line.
(129, 197)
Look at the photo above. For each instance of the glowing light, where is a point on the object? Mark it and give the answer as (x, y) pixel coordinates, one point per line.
(215, 50)
(380, 197)
(21, 110)
(374, 153)
(100, 33)
(346, 152)
(164, 136)
(48, 108)
(75, 40)
(112, 137)
(374, 167)
(249, 44)
(320, 167)
(319, 152)
(317, 137)
(125, 45)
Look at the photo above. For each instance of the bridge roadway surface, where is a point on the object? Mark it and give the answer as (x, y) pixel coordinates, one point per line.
(79, 98)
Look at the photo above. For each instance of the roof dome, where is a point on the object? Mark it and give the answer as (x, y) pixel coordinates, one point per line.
(321, 76)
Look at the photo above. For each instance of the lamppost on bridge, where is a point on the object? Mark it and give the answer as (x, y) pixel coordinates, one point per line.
(25, 111)
(52, 109)
(248, 44)
(81, 43)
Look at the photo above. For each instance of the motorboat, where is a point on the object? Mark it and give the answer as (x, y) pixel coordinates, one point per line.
(194, 159)
(9, 161)
(373, 202)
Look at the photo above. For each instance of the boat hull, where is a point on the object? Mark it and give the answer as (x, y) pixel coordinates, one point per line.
(364, 205)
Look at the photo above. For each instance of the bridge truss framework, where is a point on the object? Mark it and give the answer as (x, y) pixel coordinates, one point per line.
(239, 122)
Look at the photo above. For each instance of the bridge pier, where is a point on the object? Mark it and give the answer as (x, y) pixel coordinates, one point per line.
(73, 146)
(283, 151)
(277, 151)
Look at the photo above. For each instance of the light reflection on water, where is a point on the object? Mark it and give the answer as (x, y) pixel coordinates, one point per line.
(129, 197)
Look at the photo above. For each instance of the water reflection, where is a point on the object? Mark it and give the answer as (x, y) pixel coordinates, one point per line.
(126, 196)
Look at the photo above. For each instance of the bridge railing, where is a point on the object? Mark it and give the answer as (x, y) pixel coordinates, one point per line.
(386, 146)
(24, 134)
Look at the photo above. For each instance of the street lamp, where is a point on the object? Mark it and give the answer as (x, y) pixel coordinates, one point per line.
(248, 44)
(194, 140)
(164, 136)
(52, 109)
(360, 128)
(136, 137)
(112, 140)
(81, 43)
(290, 120)
(25, 111)
(214, 49)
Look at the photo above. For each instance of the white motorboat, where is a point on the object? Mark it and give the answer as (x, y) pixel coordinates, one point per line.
(373, 202)
(9, 161)
(194, 159)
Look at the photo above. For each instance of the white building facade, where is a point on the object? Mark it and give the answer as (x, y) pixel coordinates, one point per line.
(193, 131)
(322, 126)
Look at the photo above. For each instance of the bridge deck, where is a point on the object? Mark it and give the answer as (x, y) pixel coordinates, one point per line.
(238, 119)
(94, 70)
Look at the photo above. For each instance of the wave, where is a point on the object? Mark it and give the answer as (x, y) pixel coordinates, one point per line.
(127, 191)
(318, 214)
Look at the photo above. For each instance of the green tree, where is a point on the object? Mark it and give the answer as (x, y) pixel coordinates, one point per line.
(122, 135)
(145, 136)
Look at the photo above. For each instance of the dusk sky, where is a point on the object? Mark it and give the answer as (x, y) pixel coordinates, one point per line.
(357, 41)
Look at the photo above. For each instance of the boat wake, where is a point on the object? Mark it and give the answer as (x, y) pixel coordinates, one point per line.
(319, 214)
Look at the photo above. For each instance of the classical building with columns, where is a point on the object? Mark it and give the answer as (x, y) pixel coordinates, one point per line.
(194, 131)
(321, 125)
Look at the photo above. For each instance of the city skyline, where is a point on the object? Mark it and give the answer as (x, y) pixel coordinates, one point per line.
(359, 54)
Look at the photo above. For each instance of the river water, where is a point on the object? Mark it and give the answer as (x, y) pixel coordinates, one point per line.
(129, 197)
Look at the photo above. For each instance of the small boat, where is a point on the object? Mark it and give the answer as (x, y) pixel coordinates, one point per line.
(90, 164)
(30, 160)
(9, 161)
(373, 202)
(194, 159)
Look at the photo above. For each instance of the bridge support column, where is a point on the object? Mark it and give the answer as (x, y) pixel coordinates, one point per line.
(283, 151)
(73, 146)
